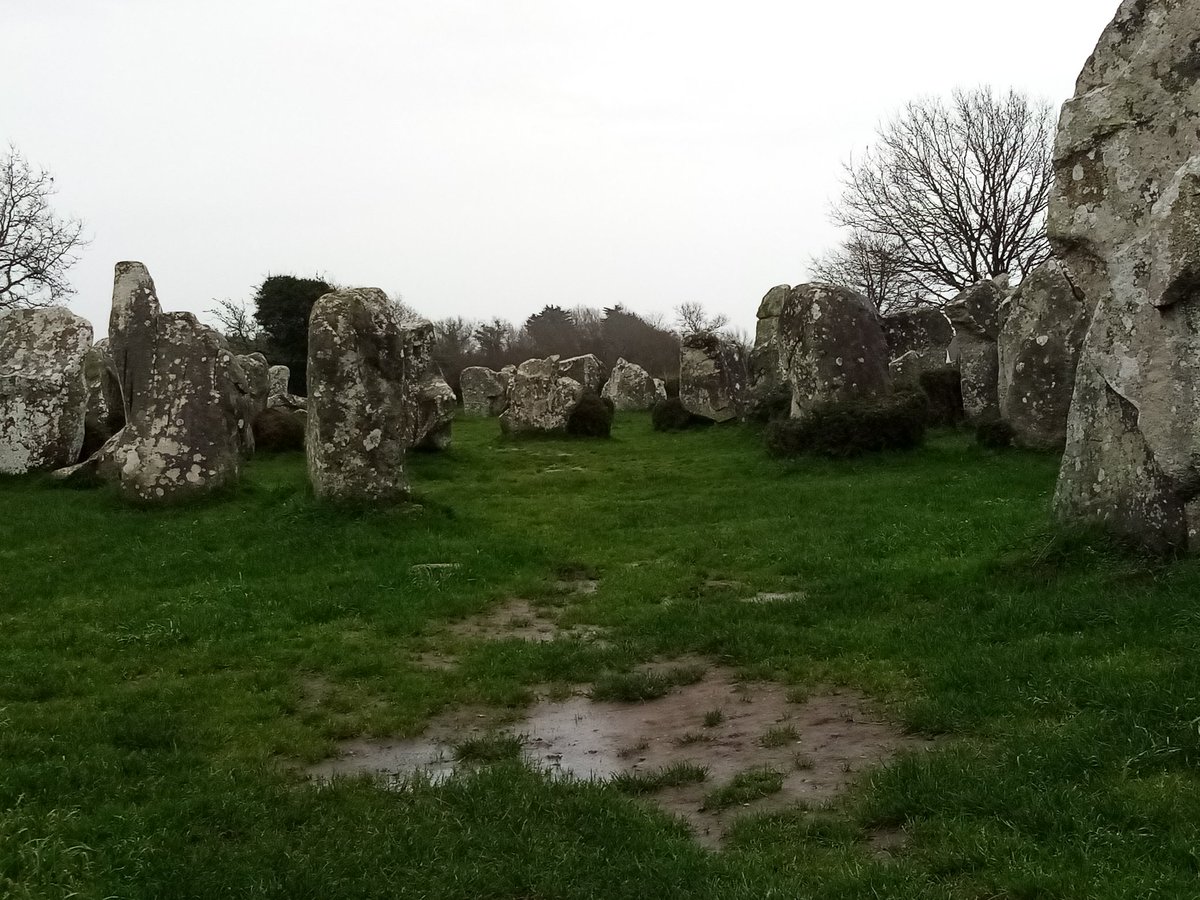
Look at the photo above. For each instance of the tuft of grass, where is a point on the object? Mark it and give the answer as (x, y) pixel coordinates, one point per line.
(489, 748)
(745, 787)
(642, 685)
(779, 736)
(689, 738)
(713, 718)
(674, 775)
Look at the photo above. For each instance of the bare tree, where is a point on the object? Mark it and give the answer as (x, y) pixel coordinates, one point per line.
(236, 321)
(692, 318)
(872, 266)
(958, 190)
(36, 246)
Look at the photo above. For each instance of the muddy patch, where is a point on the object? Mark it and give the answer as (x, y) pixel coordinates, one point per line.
(521, 620)
(806, 752)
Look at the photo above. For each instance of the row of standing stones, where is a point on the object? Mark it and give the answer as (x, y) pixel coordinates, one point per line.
(1096, 353)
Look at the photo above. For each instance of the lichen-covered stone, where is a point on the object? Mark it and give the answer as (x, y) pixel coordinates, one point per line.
(540, 400)
(831, 347)
(1044, 324)
(43, 391)
(630, 387)
(766, 366)
(975, 314)
(185, 396)
(484, 392)
(1123, 219)
(358, 408)
(279, 395)
(588, 370)
(105, 409)
(432, 401)
(921, 337)
(713, 381)
(252, 394)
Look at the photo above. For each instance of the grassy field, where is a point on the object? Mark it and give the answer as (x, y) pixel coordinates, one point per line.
(158, 670)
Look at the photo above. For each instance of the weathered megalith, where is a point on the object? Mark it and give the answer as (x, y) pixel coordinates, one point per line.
(279, 395)
(252, 395)
(588, 370)
(431, 399)
(184, 395)
(105, 409)
(1044, 324)
(358, 408)
(975, 314)
(43, 391)
(831, 347)
(1124, 218)
(713, 379)
(766, 364)
(920, 337)
(629, 386)
(540, 400)
(484, 392)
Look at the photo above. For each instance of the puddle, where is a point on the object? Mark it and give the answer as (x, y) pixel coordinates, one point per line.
(818, 746)
(520, 620)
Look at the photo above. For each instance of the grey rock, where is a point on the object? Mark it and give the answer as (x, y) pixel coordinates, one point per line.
(766, 364)
(540, 400)
(1123, 219)
(484, 392)
(279, 396)
(43, 391)
(588, 370)
(252, 395)
(975, 314)
(1044, 324)
(432, 402)
(921, 337)
(831, 347)
(630, 387)
(358, 409)
(713, 380)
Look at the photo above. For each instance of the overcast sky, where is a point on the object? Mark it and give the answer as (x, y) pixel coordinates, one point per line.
(487, 157)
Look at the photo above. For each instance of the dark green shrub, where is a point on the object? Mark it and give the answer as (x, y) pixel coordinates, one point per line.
(593, 417)
(851, 428)
(672, 387)
(943, 387)
(994, 433)
(767, 405)
(671, 415)
(278, 431)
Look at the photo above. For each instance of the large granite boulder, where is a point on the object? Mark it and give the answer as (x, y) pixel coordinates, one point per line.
(921, 337)
(831, 347)
(588, 370)
(713, 380)
(358, 409)
(431, 399)
(629, 386)
(279, 395)
(185, 397)
(975, 314)
(540, 400)
(484, 392)
(1044, 324)
(1124, 218)
(43, 391)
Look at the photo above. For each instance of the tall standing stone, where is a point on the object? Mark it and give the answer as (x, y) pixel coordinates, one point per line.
(43, 391)
(1124, 218)
(358, 411)
(975, 314)
(1044, 324)
(253, 393)
(712, 377)
(484, 392)
(431, 399)
(831, 347)
(630, 387)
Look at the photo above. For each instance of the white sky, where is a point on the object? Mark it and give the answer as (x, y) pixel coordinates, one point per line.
(486, 157)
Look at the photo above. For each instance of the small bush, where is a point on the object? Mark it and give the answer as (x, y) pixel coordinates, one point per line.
(943, 387)
(994, 433)
(278, 431)
(671, 415)
(593, 417)
(771, 405)
(851, 428)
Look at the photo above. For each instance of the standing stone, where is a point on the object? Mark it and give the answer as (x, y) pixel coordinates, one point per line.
(831, 347)
(712, 377)
(484, 392)
(921, 337)
(1124, 218)
(431, 399)
(184, 395)
(766, 363)
(253, 394)
(358, 408)
(975, 314)
(629, 386)
(588, 370)
(540, 400)
(105, 409)
(1044, 324)
(279, 396)
(43, 391)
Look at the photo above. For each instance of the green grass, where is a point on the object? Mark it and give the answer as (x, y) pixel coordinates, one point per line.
(165, 675)
(675, 775)
(780, 736)
(744, 787)
(488, 748)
